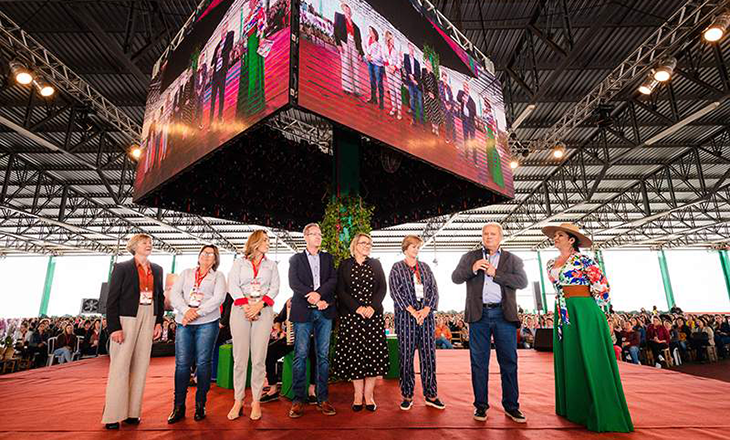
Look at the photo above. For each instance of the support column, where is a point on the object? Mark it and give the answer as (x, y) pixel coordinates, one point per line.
(725, 263)
(346, 146)
(50, 270)
(542, 283)
(174, 256)
(112, 260)
(666, 279)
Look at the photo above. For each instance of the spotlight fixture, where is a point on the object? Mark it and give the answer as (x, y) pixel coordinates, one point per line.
(21, 73)
(136, 152)
(45, 89)
(559, 151)
(649, 84)
(514, 163)
(665, 69)
(718, 28)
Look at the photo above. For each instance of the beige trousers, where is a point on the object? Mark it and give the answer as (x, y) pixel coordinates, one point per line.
(349, 59)
(253, 337)
(128, 366)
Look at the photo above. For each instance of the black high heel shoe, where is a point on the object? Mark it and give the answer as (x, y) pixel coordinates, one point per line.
(357, 408)
(371, 408)
(177, 414)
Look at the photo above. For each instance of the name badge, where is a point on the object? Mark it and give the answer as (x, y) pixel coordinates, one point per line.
(254, 291)
(145, 297)
(419, 288)
(196, 298)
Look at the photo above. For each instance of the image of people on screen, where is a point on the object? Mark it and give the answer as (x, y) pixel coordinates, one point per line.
(390, 82)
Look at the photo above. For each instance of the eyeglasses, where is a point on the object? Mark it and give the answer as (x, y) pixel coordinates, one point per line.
(314, 234)
(208, 254)
(365, 243)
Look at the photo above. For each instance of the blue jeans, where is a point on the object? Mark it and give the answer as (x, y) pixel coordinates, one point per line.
(194, 343)
(322, 328)
(505, 342)
(376, 83)
(416, 102)
(442, 342)
(633, 352)
(63, 354)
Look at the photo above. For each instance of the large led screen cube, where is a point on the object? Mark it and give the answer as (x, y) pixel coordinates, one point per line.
(230, 70)
(385, 70)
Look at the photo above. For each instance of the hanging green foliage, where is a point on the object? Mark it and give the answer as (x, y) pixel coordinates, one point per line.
(430, 55)
(343, 218)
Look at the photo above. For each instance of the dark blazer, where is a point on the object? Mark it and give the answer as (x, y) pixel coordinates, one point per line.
(123, 299)
(301, 282)
(341, 32)
(470, 104)
(510, 276)
(223, 49)
(346, 304)
(412, 68)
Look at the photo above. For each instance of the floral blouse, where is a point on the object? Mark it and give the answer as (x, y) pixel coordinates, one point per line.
(578, 270)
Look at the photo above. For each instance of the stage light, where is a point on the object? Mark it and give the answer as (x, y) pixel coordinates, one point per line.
(559, 151)
(665, 69)
(718, 28)
(21, 73)
(45, 89)
(649, 84)
(514, 163)
(136, 152)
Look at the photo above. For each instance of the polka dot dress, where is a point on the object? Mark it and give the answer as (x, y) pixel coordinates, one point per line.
(361, 349)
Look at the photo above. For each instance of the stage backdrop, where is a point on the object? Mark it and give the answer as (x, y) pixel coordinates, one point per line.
(230, 71)
(387, 71)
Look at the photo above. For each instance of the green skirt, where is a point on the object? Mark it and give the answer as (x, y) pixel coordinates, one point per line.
(588, 387)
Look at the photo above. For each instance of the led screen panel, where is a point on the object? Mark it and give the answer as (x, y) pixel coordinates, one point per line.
(384, 69)
(230, 70)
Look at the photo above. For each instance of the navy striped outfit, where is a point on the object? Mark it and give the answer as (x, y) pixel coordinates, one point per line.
(410, 334)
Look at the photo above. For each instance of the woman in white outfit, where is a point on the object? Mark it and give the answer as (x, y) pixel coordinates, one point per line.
(253, 284)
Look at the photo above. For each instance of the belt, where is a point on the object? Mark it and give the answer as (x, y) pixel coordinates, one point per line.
(576, 291)
(492, 305)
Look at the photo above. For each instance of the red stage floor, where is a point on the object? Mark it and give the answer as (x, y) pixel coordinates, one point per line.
(66, 401)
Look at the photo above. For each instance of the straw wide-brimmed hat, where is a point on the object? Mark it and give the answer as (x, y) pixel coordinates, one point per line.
(570, 228)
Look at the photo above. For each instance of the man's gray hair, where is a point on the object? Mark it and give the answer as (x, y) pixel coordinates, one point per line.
(310, 225)
(496, 225)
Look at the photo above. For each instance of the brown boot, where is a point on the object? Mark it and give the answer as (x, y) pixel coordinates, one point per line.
(296, 411)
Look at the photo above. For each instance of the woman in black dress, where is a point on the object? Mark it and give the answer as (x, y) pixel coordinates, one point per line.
(361, 353)
(431, 98)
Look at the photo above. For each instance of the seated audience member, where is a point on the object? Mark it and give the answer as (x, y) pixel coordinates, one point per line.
(527, 334)
(463, 330)
(90, 347)
(65, 344)
(701, 337)
(684, 333)
(443, 334)
(630, 342)
(721, 327)
(38, 345)
(657, 339)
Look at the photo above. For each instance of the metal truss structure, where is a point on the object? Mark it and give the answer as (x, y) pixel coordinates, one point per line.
(641, 172)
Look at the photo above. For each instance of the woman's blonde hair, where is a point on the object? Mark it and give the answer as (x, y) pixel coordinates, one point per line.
(353, 242)
(409, 240)
(135, 240)
(254, 241)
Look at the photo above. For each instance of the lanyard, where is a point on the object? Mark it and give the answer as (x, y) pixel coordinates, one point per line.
(415, 271)
(199, 277)
(256, 267)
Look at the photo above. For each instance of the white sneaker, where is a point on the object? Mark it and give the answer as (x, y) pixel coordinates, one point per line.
(658, 365)
(661, 358)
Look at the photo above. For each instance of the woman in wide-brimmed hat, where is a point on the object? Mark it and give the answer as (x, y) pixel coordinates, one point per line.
(587, 383)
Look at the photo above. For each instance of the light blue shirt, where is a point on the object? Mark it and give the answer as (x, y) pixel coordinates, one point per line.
(314, 264)
(491, 292)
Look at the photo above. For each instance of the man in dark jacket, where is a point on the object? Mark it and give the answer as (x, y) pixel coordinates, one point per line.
(468, 113)
(313, 279)
(492, 276)
(221, 58)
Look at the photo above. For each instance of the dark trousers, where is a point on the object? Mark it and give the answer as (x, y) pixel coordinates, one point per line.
(656, 348)
(218, 91)
(376, 83)
(194, 345)
(322, 329)
(416, 102)
(412, 336)
(491, 324)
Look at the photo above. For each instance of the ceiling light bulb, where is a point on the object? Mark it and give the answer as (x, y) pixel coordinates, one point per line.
(648, 86)
(514, 164)
(24, 78)
(665, 69)
(136, 152)
(718, 28)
